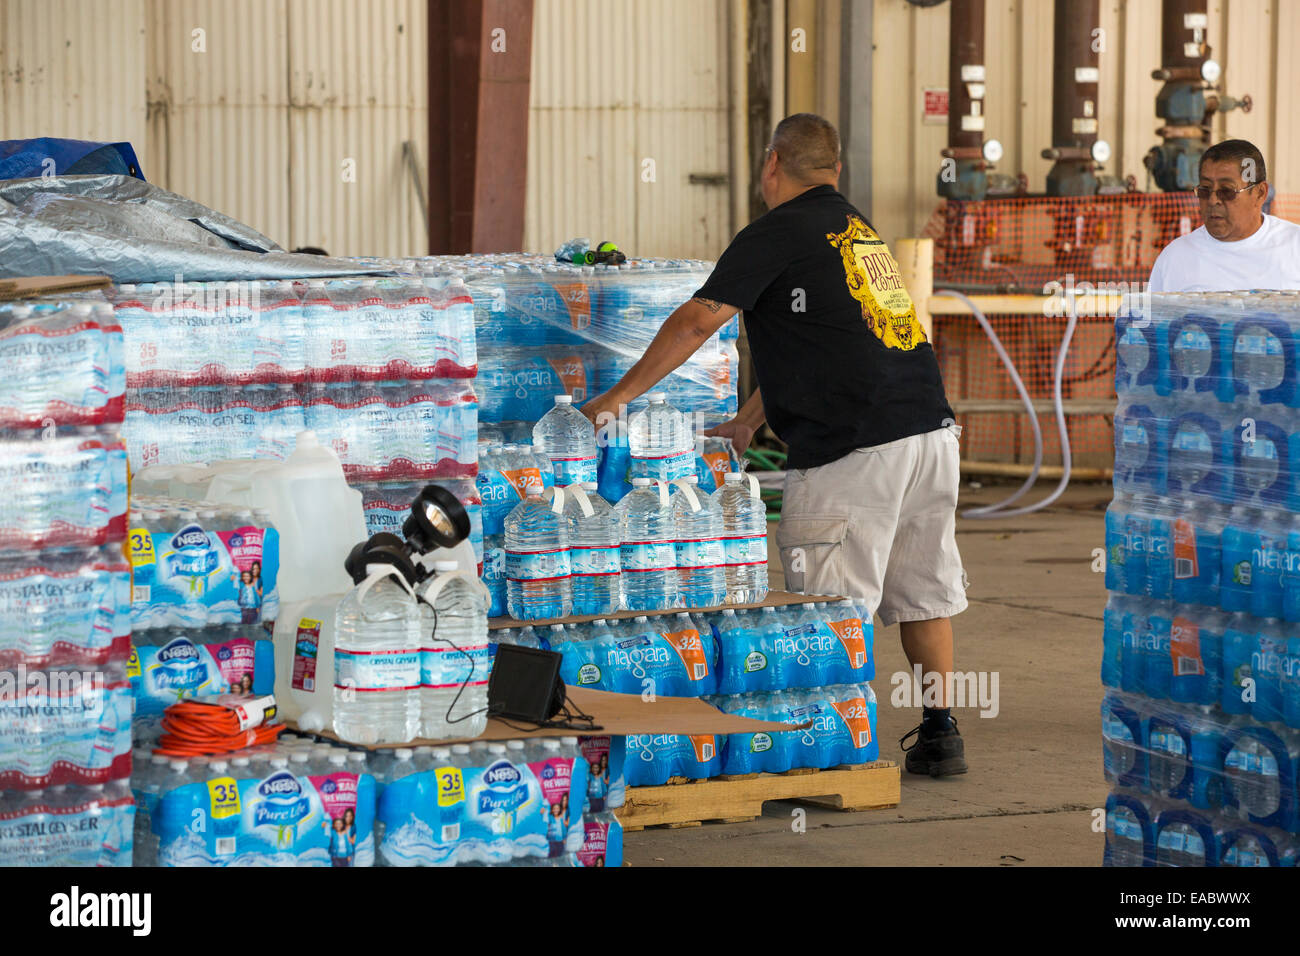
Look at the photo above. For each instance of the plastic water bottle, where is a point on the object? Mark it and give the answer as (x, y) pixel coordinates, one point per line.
(660, 441)
(594, 541)
(744, 539)
(377, 661)
(538, 582)
(570, 442)
(536, 457)
(453, 659)
(647, 555)
(701, 570)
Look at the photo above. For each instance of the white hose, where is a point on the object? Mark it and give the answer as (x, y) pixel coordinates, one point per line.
(999, 509)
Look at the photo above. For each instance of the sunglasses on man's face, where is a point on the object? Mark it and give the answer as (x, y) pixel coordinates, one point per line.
(1226, 194)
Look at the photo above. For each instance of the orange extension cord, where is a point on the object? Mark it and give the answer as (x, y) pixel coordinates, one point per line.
(193, 728)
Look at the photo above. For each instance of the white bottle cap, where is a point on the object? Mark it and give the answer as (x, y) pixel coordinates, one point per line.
(460, 749)
(441, 566)
(732, 476)
(656, 396)
(514, 745)
(563, 399)
(809, 606)
(640, 482)
(299, 757)
(641, 619)
(496, 749)
(588, 485)
(338, 758)
(692, 479)
(404, 753)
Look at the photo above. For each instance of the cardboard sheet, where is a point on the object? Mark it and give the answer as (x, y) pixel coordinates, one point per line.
(618, 715)
(46, 285)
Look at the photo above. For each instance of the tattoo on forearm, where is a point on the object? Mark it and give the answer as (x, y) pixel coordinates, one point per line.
(714, 307)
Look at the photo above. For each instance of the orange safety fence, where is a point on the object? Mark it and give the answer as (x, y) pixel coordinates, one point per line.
(1020, 245)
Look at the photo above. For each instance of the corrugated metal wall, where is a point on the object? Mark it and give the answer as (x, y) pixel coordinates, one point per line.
(613, 86)
(73, 69)
(293, 115)
(287, 114)
(1254, 41)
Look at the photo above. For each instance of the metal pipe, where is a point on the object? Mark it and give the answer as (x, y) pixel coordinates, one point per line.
(963, 175)
(1074, 98)
(741, 161)
(966, 75)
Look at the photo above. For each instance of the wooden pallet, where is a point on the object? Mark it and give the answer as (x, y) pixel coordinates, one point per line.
(691, 803)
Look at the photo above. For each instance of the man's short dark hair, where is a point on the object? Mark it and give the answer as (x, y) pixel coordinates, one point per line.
(1239, 151)
(806, 142)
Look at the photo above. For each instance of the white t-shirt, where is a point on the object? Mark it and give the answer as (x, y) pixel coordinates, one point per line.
(1197, 262)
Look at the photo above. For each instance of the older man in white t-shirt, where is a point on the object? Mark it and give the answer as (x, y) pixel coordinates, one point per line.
(1238, 247)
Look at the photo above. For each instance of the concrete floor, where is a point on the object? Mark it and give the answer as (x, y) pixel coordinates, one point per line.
(1035, 777)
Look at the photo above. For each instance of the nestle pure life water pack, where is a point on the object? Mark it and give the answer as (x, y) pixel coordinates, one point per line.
(501, 805)
(180, 667)
(281, 820)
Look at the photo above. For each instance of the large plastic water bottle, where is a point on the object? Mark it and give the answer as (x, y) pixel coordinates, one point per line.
(647, 555)
(453, 657)
(377, 660)
(744, 538)
(594, 540)
(660, 441)
(538, 582)
(570, 442)
(701, 574)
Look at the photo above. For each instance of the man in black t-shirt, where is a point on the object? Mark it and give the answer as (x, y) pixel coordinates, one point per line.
(849, 382)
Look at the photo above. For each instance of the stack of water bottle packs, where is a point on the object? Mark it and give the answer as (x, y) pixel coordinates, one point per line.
(555, 545)
(1202, 724)
(381, 369)
(297, 802)
(65, 605)
(545, 327)
(805, 664)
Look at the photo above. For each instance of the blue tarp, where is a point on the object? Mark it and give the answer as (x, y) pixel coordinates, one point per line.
(48, 156)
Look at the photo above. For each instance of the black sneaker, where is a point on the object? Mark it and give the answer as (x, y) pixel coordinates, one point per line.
(938, 755)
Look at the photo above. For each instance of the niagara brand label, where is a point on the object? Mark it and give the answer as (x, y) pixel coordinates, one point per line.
(1184, 550)
(572, 373)
(690, 649)
(719, 463)
(306, 646)
(856, 717)
(1185, 648)
(523, 480)
(849, 632)
(705, 748)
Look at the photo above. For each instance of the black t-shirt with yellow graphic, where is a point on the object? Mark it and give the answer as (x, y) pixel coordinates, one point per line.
(841, 359)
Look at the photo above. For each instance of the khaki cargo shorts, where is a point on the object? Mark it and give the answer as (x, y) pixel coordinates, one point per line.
(879, 524)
